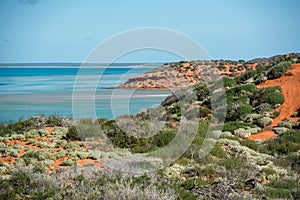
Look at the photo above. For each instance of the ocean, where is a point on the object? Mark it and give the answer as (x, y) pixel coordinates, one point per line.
(28, 90)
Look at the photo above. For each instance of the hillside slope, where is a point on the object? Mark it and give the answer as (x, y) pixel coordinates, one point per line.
(290, 84)
(182, 74)
(57, 158)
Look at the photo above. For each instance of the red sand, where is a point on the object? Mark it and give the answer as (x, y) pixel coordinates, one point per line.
(262, 136)
(50, 128)
(290, 84)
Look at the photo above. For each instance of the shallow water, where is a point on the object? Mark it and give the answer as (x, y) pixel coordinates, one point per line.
(30, 91)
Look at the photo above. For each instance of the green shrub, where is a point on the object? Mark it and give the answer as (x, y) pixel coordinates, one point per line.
(250, 144)
(228, 82)
(72, 146)
(242, 133)
(238, 112)
(26, 184)
(218, 151)
(192, 182)
(275, 114)
(67, 163)
(279, 69)
(37, 154)
(72, 134)
(268, 171)
(231, 126)
(54, 120)
(231, 164)
(244, 110)
(174, 113)
(284, 143)
(270, 95)
(121, 139)
(108, 125)
(5, 130)
(102, 120)
(25, 125)
(243, 100)
(273, 98)
(282, 188)
(197, 112)
(286, 123)
(31, 134)
(164, 137)
(246, 76)
(264, 121)
(202, 91)
(183, 161)
(204, 112)
(239, 89)
(221, 67)
(188, 184)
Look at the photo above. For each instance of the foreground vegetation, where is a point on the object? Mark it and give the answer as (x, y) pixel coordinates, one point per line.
(42, 163)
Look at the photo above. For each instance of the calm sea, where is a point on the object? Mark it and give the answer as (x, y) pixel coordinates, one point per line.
(30, 90)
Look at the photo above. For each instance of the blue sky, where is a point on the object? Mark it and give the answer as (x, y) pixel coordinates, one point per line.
(67, 30)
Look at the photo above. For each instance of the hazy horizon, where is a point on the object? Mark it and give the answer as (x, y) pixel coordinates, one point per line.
(60, 63)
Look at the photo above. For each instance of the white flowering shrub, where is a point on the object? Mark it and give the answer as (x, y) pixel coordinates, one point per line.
(242, 133)
(31, 134)
(72, 146)
(264, 121)
(43, 132)
(18, 137)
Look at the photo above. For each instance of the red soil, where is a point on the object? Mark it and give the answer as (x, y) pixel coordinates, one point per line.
(262, 136)
(88, 160)
(11, 160)
(50, 128)
(290, 84)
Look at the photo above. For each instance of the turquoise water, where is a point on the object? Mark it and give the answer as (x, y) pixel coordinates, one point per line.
(30, 91)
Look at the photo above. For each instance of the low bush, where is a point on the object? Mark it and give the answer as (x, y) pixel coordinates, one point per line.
(269, 95)
(5, 130)
(163, 138)
(264, 121)
(27, 184)
(231, 126)
(283, 144)
(24, 184)
(72, 134)
(250, 144)
(240, 89)
(101, 120)
(279, 69)
(238, 111)
(67, 163)
(231, 163)
(54, 120)
(202, 91)
(121, 139)
(246, 76)
(283, 189)
(242, 133)
(228, 82)
(286, 123)
(218, 151)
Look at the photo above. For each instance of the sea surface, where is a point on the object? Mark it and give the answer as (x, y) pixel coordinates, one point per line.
(28, 90)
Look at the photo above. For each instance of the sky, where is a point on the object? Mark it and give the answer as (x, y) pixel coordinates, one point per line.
(68, 30)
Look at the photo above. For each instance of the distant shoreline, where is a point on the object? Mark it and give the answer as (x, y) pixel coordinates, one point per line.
(78, 65)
